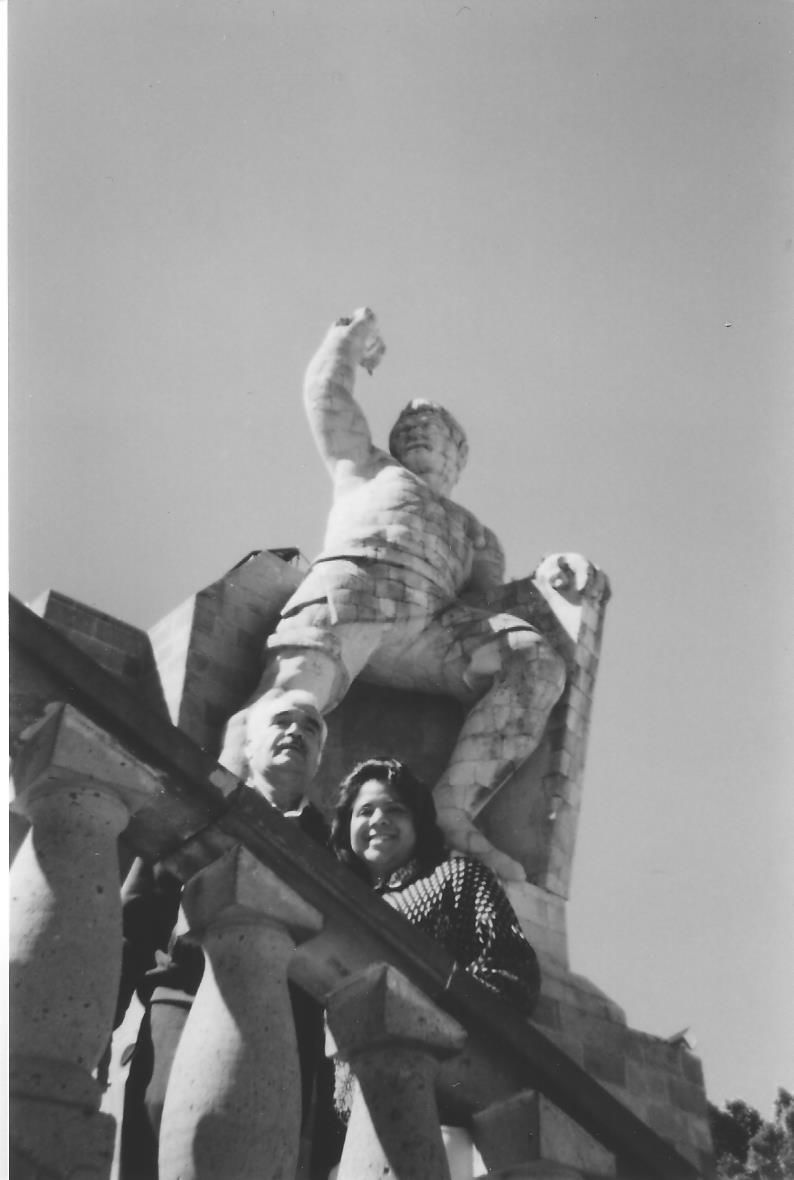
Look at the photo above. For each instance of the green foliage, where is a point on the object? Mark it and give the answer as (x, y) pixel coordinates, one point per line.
(748, 1147)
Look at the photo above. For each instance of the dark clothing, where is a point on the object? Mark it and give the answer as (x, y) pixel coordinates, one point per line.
(153, 955)
(144, 1095)
(461, 904)
(164, 969)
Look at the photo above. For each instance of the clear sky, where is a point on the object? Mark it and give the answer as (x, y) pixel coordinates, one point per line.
(574, 221)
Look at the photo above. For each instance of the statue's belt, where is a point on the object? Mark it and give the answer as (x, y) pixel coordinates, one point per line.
(365, 559)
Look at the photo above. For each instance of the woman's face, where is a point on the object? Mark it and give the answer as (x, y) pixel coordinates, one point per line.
(382, 832)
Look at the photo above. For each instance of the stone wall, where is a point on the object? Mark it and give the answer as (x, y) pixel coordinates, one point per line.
(116, 646)
(661, 1081)
(202, 661)
(208, 650)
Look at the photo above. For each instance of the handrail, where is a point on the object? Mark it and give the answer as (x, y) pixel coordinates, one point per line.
(531, 1059)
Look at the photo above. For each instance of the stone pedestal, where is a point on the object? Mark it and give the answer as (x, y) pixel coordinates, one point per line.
(57, 1129)
(525, 1137)
(233, 1106)
(393, 1037)
(65, 944)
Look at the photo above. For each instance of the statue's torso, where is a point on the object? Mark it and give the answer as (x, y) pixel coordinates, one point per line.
(395, 516)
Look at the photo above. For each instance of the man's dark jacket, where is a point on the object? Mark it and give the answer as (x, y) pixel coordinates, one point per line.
(158, 964)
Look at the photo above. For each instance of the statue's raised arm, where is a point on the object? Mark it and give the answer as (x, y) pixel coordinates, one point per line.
(337, 421)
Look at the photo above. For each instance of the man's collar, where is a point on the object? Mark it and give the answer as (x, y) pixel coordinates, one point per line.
(296, 812)
(293, 811)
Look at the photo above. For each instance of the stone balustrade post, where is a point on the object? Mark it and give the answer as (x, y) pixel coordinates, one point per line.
(65, 944)
(233, 1106)
(393, 1038)
(525, 1137)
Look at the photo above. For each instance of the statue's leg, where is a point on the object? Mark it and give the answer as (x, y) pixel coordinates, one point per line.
(318, 656)
(499, 733)
(511, 677)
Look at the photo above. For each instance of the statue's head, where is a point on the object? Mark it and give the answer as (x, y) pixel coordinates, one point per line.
(431, 443)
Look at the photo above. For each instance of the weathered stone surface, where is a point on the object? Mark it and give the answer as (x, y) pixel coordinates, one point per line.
(661, 1082)
(393, 1038)
(208, 650)
(233, 1105)
(64, 747)
(55, 1135)
(117, 646)
(64, 905)
(65, 951)
(527, 1128)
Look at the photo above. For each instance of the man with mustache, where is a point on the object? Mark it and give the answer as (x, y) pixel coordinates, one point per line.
(281, 758)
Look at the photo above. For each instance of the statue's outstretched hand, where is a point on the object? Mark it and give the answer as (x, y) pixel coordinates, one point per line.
(362, 334)
(570, 574)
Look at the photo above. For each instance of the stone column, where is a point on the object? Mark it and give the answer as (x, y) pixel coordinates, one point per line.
(65, 943)
(525, 1137)
(394, 1039)
(233, 1106)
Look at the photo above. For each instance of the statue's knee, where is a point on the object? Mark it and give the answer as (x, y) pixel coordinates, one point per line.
(311, 669)
(533, 659)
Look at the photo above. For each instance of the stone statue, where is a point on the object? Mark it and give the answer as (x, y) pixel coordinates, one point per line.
(393, 593)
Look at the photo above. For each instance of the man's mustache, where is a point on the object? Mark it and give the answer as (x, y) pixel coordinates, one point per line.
(292, 741)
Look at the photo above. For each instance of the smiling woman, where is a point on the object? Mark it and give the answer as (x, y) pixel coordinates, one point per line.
(385, 830)
(382, 831)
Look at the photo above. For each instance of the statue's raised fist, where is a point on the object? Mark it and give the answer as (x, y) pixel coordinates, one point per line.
(570, 574)
(361, 333)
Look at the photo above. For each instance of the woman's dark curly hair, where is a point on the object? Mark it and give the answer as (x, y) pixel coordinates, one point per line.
(430, 847)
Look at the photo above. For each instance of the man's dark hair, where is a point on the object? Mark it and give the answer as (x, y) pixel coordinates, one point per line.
(430, 846)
